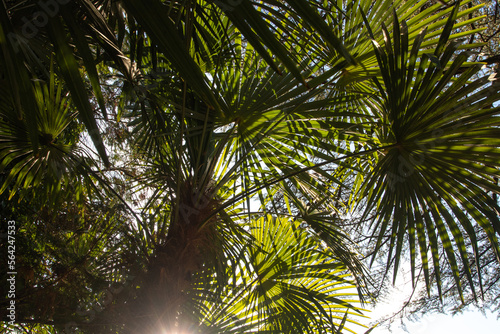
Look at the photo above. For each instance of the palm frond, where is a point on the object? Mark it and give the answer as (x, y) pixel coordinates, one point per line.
(431, 189)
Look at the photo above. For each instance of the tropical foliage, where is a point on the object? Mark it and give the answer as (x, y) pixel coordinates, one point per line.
(233, 166)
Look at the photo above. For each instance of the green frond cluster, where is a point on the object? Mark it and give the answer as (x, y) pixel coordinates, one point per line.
(233, 166)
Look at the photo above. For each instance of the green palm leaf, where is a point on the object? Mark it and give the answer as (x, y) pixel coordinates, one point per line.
(25, 166)
(432, 186)
(291, 283)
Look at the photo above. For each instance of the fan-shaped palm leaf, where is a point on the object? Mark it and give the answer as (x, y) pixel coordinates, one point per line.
(51, 161)
(431, 188)
(290, 282)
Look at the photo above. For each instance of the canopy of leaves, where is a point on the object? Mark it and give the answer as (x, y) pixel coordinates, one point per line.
(207, 166)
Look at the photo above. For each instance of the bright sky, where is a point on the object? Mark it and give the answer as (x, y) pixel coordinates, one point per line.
(466, 323)
(469, 322)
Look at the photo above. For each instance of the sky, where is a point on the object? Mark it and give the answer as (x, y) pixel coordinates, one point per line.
(468, 322)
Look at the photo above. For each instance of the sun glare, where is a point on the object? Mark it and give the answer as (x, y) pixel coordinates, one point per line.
(174, 332)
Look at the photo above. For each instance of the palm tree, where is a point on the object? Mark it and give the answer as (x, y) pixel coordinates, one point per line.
(233, 141)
